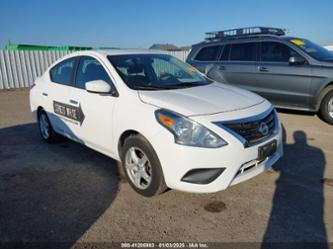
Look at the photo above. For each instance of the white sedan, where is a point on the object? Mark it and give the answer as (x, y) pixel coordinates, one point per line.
(169, 125)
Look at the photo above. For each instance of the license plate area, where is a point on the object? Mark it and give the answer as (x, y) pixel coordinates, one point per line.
(267, 150)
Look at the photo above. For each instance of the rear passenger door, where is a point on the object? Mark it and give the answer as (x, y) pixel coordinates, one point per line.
(94, 126)
(237, 65)
(280, 82)
(61, 81)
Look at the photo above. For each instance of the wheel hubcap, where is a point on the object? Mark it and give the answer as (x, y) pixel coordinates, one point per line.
(44, 126)
(138, 167)
(330, 107)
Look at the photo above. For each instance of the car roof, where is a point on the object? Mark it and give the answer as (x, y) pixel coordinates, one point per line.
(246, 39)
(106, 52)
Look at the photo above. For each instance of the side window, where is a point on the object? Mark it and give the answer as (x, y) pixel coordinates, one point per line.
(132, 69)
(63, 72)
(225, 53)
(276, 52)
(90, 69)
(243, 52)
(210, 53)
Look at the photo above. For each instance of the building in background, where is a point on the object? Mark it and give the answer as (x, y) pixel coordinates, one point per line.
(169, 47)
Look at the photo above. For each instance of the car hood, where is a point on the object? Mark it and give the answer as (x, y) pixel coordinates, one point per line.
(202, 100)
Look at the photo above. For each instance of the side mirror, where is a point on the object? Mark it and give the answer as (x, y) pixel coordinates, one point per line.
(297, 60)
(98, 86)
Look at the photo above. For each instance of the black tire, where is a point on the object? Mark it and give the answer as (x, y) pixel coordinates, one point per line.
(50, 136)
(326, 108)
(157, 184)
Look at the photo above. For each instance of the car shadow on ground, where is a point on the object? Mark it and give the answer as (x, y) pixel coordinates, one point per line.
(51, 193)
(298, 202)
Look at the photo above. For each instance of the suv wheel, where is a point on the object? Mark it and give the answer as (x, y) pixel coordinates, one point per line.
(142, 167)
(326, 107)
(46, 130)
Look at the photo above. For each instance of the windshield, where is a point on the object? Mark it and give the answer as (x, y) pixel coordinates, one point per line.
(313, 49)
(156, 72)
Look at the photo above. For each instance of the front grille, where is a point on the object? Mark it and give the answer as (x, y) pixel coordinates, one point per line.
(254, 131)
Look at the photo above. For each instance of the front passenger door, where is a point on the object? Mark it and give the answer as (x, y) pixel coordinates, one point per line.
(94, 128)
(280, 82)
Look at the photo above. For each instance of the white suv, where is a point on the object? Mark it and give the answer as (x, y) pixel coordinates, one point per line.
(168, 124)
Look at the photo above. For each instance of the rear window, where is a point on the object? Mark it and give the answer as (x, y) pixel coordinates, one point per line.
(243, 52)
(210, 53)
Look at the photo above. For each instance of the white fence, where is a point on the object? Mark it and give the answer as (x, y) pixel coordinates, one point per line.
(21, 68)
(182, 55)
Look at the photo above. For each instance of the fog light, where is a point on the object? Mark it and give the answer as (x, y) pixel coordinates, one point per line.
(202, 176)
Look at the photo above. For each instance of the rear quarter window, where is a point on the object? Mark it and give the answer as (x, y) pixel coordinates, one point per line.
(210, 53)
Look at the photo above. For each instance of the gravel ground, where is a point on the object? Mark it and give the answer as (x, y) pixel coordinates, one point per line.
(69, 193)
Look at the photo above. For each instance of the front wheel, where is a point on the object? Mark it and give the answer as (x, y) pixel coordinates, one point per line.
(142, 166)
(326, 108)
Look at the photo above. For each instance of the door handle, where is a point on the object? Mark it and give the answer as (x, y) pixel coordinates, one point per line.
(263, 69)
(45, 94)
(74, 102)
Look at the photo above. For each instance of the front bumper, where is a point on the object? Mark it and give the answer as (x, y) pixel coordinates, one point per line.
(178, 160)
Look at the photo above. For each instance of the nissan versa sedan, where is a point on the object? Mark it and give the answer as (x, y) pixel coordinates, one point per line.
(169, 125)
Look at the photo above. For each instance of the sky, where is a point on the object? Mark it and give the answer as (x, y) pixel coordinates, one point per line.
(141, 23)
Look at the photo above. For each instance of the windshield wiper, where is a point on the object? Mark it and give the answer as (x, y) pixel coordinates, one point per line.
(186, 84)
(151, 87)
(168, 87)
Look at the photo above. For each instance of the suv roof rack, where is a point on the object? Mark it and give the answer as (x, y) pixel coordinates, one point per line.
(242, 32)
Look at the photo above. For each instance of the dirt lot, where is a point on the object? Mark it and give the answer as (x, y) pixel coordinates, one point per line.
(67, 192)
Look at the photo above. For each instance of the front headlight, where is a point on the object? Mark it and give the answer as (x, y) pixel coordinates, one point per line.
(188, 132)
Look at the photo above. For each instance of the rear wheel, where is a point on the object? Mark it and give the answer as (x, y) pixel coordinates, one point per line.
(142, 167)
(326, 108)
(46, 130)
